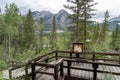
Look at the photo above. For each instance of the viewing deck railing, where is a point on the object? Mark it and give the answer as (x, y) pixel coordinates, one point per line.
(94, 58)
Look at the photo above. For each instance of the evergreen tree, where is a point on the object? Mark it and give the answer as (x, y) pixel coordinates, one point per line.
(11, 20)
(1, 28)
(41, 34)
(81, 14)
(29, 30)
(115, 43)
(96, 33)
(105, 27)
(53, 37)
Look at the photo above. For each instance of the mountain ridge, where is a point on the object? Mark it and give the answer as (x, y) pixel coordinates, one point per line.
(62, 19)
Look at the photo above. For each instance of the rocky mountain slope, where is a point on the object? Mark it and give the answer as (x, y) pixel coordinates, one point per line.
(63, 21)
(61, 18)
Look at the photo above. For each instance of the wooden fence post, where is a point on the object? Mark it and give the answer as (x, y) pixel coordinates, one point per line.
(56, 72)
(68, 69)
(70, 55)
(77, 55)
(56, 56)
(10, 74)
(95, 66)
(61, 69)
(93, 57)
(26, 72)
(33, 71)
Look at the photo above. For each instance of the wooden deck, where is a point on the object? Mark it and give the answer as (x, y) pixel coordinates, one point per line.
(84, 75)
(51, 65)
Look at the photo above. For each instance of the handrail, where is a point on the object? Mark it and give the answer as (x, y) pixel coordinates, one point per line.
(39, 57)
(54, 66)
(93, 62)
(89, 53)
(69, 58)
(68, 52)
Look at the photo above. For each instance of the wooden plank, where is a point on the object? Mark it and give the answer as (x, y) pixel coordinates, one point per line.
(90, 73)
(116, 69)
(101, 67)
(111, 69)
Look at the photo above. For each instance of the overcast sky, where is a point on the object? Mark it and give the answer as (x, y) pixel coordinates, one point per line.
(55, 5)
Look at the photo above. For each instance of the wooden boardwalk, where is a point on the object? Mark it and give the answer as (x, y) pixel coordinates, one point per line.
(80, 68)
(84, 74)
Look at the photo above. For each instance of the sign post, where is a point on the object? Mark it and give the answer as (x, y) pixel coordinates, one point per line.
(78, 47)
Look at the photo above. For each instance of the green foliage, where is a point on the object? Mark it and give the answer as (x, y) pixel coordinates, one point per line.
(81, 14)
(29, 30)
(105, 27)
(12, 19)
(9, 28)
(2, 65)
(41, 34)
(115, 43)
(108, 76)
(1, 75)
(53, 36)
(25, 55)
(32, 43)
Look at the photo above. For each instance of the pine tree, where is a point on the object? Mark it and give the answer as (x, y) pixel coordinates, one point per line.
(41, 34)
(115, 43)
(75, 7)
(29, 30)
(53, 37)
(105, 27)
(80, 18)
(11, 20)
(96, 33)
(1, 28)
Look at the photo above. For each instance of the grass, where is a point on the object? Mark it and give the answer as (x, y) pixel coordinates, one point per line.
(1, 75)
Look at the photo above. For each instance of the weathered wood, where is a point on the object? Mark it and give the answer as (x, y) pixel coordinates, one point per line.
(68, 69)
(56, 55)
(33, 71)
(10, 74)
(115, 60)
(44, 64)
(61, 69)
(42, 61)
(55, 66)
(39, 57)
(94, 57)
(56, 72)
(91, 62)
(43, 72)
(91, 53)
(26, 72)
(95, 66)
(84, 74)
(70, 55)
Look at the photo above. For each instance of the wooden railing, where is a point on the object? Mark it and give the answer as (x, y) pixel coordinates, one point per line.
(69, 57)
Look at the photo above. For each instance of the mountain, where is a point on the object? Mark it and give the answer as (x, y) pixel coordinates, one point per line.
(113, 21)
(99, 17)
(63, 21)
(46, 15)
(116, 19)
(61, 18)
